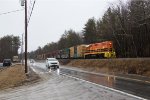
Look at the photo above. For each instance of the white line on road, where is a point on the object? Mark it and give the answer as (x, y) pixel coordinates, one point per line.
(125, 78)
(124, 93)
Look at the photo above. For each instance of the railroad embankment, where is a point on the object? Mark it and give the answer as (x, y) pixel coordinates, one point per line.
(139, 66)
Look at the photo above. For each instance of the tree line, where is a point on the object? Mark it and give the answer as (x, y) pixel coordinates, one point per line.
(9, 46)
(126, 24)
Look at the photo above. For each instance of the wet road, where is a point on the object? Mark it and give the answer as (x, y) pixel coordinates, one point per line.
(130, 86)
(60, 87)
(134, 87)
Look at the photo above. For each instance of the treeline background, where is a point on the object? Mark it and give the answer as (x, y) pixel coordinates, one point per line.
(9, 46)
(126, 24)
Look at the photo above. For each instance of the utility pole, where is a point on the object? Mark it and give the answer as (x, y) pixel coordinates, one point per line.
(26, 30)
(22, 50)
(24, 3)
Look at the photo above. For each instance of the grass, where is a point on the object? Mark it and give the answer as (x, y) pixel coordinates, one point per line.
(123, 66)
(12, 77)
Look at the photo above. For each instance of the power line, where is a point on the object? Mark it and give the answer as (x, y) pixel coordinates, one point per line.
(30, 7)
(31, 11)
(14, 11)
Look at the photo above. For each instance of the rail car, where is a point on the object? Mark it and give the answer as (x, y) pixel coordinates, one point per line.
(65, 53)
(78, 51)
(95, 50)
(41, 56)
(54, 54)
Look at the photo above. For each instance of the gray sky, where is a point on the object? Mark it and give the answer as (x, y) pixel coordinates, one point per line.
(50, 18)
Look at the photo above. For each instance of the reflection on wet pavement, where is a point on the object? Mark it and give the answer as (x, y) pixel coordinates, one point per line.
(129, 86)
(58, 71)
(60, 87)
(103, 80)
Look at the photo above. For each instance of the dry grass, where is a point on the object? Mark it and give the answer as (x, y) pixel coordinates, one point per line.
(124, 66)
(12, 76)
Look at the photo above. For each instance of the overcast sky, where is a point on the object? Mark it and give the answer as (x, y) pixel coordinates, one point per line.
(50, 18)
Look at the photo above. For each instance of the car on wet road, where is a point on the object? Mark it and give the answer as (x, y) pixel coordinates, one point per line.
(32, 61)
(7, 62)
(52, 63)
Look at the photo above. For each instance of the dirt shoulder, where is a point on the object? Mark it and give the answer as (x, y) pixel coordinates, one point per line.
(138, 66)
(14, 76)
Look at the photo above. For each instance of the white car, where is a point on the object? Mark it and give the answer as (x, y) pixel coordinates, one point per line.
(52, 63)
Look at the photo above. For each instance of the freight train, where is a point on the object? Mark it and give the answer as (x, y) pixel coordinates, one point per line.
(95, 50)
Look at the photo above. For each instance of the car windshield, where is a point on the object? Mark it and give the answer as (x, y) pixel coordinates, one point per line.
(7, 60)
(52, 59)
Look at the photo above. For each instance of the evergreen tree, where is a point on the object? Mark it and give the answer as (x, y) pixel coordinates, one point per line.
(90, 34)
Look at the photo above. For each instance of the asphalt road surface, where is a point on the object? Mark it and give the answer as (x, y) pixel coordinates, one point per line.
(130, 85)
(55, 86)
